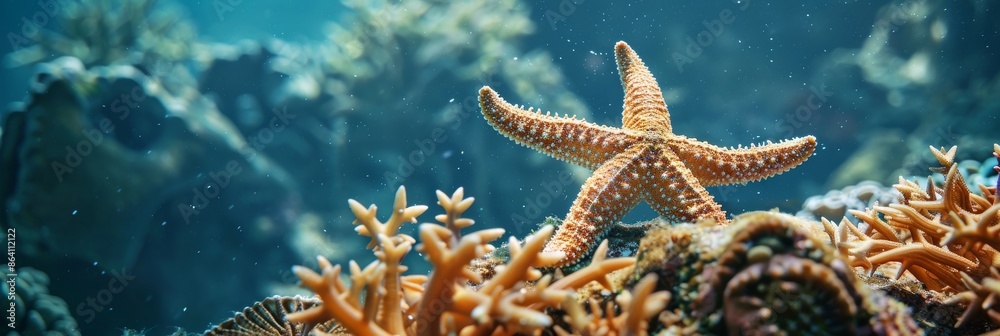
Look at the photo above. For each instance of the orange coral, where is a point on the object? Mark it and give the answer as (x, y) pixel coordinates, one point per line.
(946, 236)
(455, 299)
(979, 297)
(639, 306)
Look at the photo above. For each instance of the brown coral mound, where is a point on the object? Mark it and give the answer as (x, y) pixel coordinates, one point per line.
(455, 299)
(766, 273)
(945, 236)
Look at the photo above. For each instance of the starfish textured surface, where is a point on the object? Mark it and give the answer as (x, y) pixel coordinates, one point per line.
(642, 161)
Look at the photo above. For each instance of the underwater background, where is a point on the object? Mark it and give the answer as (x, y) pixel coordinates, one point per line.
(165, 163)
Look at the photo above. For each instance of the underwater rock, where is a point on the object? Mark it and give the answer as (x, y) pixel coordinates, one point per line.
(765, 273)
(258, 86)
(38, 312)
(96, 153)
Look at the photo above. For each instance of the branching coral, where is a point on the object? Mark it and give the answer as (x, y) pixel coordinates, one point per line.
(946, 236)
(638, 307)
(982, 296)
(455, 299)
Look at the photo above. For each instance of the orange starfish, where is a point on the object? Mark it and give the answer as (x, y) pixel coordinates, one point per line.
(642, 161)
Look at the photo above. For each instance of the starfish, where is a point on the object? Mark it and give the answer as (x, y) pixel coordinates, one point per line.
(641, 161)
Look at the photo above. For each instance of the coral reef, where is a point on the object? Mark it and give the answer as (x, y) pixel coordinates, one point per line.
(455, 298)
(765, 273)
(89, 197)
(173, 140)
(945, 236)
(38, 312)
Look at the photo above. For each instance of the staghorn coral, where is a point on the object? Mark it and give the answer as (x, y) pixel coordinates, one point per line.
(974, 172)
(980, 296)
(457, 298)
(945, 236)
(639, 306)
(766, 273)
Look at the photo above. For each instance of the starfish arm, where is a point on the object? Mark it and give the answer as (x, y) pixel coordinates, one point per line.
(645, 109)
(567, 139)
(675, 193)
(605, 197)
(714, 166)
